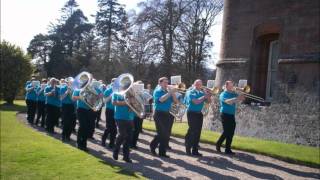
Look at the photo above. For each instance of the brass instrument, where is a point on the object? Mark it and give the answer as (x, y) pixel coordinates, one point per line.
(213, 91)
(245, 92)
(123, 85)
(89, 90)
(178, 109)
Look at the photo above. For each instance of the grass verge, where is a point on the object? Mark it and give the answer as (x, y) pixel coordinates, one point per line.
(27, 154)
(288, 152)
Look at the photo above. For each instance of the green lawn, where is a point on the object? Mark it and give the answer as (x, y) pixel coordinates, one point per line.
(289, 152)
(28, 154)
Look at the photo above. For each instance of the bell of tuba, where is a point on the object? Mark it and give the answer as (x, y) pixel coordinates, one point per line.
(124, 85)
(89, 90)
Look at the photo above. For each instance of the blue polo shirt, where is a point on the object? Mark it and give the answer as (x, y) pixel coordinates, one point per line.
(161, 106)
(53, 100)
(31, 95)
(107, 93)
(68, 98)
(121, 112)
(40, 94)
(194, 94)
(80, 103)
(227, 108)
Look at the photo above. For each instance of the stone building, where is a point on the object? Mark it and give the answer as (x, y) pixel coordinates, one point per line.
(275, 45)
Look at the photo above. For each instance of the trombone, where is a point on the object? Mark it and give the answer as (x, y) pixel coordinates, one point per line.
(181, 88)
(213, 91)
(245, 92)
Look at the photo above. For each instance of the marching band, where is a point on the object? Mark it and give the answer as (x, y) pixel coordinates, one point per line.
(126, 105)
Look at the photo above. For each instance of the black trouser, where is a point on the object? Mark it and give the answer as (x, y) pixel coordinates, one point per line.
(229, 125)
(111, 128)
(136, 131)
(53, 113)
(41, 113)
(195, 120)
(124, 137)
(163, 121)
(84, 117)
(97, 119)
(93, 115)
(68, 120)
(31, 110)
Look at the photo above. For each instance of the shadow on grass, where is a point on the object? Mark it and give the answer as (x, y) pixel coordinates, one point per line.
(13, 107)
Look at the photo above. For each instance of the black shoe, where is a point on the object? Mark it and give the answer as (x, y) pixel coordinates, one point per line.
(229, 152)
(128, 160)
(111, 146)
(218, 148)
(115, 155)
(153, 150)
(103, 144)
(164, 155)
(92, 138)
(188, 151)
(197, 154)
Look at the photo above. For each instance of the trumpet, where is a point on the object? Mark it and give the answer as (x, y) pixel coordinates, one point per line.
(245, 92)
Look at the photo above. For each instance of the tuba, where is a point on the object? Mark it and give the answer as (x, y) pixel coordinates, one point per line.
(89, 90)
(123, 85)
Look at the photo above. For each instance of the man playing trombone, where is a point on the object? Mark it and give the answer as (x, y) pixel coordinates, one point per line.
(228, 99)
(195, 99)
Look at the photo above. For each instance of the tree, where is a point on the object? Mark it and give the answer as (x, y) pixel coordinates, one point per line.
(16, 69)
(111, 19)
(192, 36)
(40, 48)
(161, 18)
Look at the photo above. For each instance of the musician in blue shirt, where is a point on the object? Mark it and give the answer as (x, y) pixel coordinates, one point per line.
(163, 100)
(124, 120)
(195, 99)
(228, 99)
(31, 100)
(68, 110)
(85, 115)
(111, 128)
(41, 113)
(52, 104)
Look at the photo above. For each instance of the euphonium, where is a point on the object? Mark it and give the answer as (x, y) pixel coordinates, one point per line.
(212, 91)
(89, 90)
(124, 85)
(179, 109)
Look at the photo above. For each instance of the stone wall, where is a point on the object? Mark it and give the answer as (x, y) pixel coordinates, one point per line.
(292, 118)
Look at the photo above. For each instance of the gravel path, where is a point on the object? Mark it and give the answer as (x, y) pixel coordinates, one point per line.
(212, 165)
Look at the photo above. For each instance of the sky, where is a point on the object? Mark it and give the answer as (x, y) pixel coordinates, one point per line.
(21, 20)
